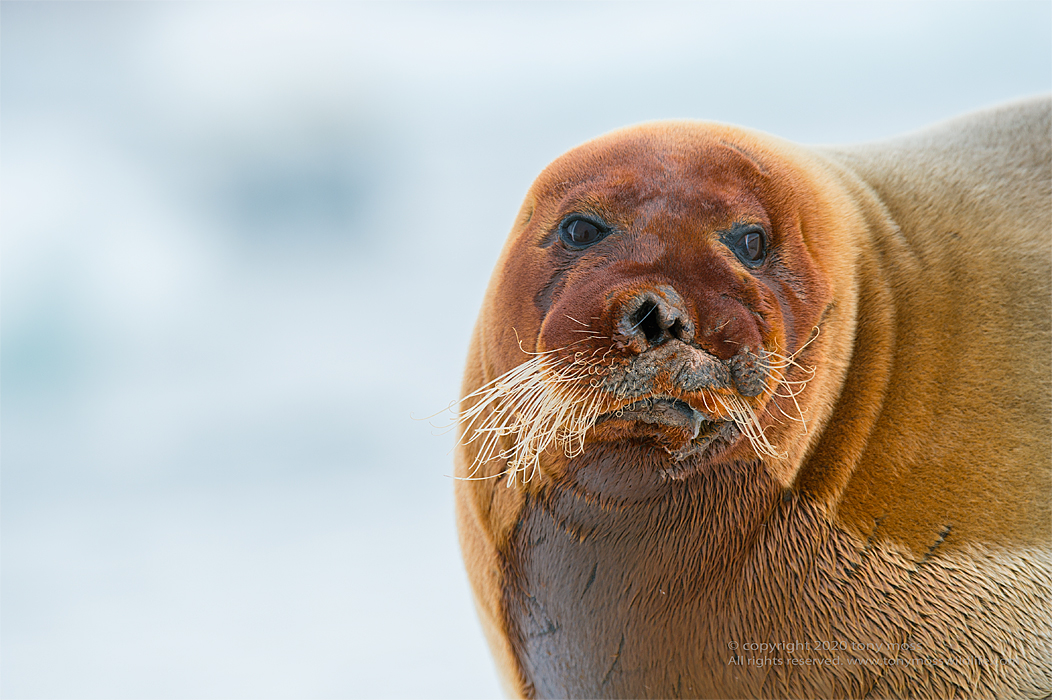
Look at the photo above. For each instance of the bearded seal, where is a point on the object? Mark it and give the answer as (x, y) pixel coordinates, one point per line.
(744, 419)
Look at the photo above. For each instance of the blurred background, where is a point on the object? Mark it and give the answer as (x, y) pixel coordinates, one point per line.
(243, 244)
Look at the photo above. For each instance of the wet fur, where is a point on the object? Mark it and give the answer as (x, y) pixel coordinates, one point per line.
(915, 507)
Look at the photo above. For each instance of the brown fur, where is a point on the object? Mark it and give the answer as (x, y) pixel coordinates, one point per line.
(910, 521)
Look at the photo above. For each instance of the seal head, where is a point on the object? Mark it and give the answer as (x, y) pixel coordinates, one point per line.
(664, 286)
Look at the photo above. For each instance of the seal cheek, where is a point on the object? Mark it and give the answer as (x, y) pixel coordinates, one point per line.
(728, 307)
(572, 321)
(729, 327)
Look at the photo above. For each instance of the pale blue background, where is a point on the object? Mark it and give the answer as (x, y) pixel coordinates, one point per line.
(243, 243)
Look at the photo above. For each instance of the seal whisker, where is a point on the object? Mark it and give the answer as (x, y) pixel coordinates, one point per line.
(555, 399)
(781, 362)
(792, 393)
(647, 314)
(439, 412)
(815, 332)
(745, 418)
(539, 403)
(576, 321)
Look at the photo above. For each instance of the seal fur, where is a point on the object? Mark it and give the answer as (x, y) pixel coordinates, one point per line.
(890, 503)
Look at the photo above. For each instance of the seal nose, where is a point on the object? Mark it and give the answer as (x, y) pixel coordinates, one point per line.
(653, 316)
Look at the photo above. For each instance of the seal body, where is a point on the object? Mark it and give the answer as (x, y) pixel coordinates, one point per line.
(747, 419)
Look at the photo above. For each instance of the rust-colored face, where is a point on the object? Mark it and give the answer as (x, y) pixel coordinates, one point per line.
(666, 276)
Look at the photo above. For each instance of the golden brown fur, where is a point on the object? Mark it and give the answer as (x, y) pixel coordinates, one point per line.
(900, 330)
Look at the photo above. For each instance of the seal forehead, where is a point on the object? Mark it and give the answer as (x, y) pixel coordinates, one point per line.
(671, 169)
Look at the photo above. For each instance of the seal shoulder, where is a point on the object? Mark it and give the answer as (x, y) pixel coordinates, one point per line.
(974, 172)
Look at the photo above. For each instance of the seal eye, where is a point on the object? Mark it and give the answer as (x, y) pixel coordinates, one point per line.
(752, 246)
(579, 233)
(749, 245)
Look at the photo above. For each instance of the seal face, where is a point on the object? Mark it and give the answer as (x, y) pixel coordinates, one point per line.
(725, 390)
(664, 284)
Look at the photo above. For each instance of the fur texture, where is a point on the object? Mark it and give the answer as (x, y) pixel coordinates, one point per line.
(892, 349)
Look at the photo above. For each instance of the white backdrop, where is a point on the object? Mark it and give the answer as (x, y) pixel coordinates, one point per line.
(243, 243)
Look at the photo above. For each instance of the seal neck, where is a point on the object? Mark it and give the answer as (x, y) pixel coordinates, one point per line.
(869, 315)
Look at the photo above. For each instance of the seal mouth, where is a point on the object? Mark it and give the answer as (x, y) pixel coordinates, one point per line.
(562, 401)
(665, 410)
(696, 430)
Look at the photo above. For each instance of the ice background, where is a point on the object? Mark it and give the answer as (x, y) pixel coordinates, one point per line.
(243, 243)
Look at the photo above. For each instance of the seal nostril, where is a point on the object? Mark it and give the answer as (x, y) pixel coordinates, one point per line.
(645, 320)
(677, 331)
(651, 317)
